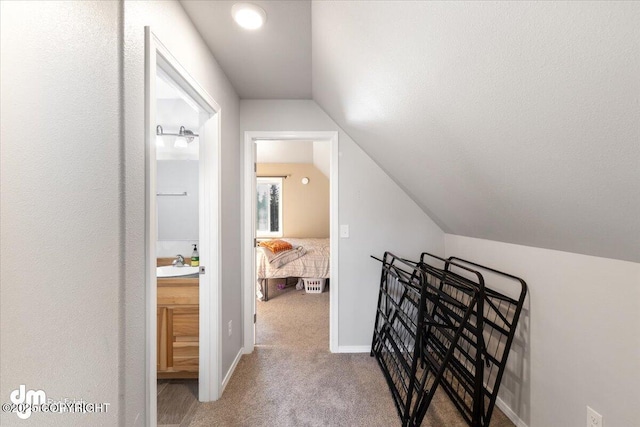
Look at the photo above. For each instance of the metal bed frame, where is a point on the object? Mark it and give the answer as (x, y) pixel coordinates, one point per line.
(429, 332)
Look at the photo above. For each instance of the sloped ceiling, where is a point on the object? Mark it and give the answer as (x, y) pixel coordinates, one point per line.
(510, 121)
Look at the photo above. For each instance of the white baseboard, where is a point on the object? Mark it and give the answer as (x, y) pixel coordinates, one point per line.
(354, 349)
(509, 413)
(230, 372)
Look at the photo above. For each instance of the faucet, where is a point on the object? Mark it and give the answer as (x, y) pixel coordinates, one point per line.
(179, 261)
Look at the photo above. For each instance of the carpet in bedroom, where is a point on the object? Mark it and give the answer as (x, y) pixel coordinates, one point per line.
(291, 378)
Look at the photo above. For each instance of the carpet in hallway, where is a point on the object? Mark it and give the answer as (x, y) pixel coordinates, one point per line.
(291, 378)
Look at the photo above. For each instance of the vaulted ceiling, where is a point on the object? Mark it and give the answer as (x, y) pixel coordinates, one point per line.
(509, 121)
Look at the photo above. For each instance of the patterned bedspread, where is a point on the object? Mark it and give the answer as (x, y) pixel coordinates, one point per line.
(314, 264)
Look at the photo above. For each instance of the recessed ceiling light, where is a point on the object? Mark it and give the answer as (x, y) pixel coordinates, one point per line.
(249, 16)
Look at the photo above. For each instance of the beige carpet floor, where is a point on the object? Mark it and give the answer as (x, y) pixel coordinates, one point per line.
(291, 378)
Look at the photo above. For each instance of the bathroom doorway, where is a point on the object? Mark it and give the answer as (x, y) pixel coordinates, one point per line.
(182, 238)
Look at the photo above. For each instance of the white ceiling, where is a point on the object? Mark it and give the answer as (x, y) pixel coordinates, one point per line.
(295, 151)
(272, 62)
(165, 89)
(510, 121)
(288, 151)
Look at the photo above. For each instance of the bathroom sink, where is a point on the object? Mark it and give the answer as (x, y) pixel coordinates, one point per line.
(173, 271)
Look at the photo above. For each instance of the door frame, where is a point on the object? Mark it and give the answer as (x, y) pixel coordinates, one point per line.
(248, 229)
(157, 55)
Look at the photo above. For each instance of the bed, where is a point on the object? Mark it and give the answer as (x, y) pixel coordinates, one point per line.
(313, 264)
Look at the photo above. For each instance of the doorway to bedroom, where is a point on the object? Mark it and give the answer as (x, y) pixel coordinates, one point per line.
(292, 237)
(290, 216)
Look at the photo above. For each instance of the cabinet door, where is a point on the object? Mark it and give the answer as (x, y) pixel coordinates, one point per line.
(162, 338)
(185, 326)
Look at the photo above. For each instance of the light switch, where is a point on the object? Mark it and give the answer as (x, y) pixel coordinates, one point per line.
(344, 231)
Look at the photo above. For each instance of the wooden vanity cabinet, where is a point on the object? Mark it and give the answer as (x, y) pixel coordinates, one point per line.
(178, 328)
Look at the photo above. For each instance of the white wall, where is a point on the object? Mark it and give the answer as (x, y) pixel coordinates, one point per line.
(171, 248)
(584, 333)
(380, 215)
(61, 207)
(178, 215)
(174, 29)
(72, 266)
(322, 157)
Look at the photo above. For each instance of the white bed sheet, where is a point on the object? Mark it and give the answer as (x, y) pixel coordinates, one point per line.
(313, 264)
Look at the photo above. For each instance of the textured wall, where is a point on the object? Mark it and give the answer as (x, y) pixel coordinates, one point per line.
(73, 300)
(580, 344)
(305, 208)
(61, 206)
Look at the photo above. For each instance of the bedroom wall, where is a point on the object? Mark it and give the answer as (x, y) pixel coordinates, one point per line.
(305, 207)
(380, 215)
(583, 333)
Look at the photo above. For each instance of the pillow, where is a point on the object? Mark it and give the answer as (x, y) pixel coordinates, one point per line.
(276, 246)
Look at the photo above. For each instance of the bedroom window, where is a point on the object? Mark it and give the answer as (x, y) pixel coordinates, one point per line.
(269, 207)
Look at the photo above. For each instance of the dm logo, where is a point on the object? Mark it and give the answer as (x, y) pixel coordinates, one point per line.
(26, 399)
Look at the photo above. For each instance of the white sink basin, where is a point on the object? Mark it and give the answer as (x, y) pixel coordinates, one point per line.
(173, 271)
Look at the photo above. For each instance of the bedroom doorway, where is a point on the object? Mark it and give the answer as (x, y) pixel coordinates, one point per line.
(290, 202)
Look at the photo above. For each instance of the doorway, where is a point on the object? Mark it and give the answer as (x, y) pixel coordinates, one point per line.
(330, 139)
(182, 147)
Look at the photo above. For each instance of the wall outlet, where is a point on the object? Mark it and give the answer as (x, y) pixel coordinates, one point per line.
(230, 327)
(344, 231)
(594, 419)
